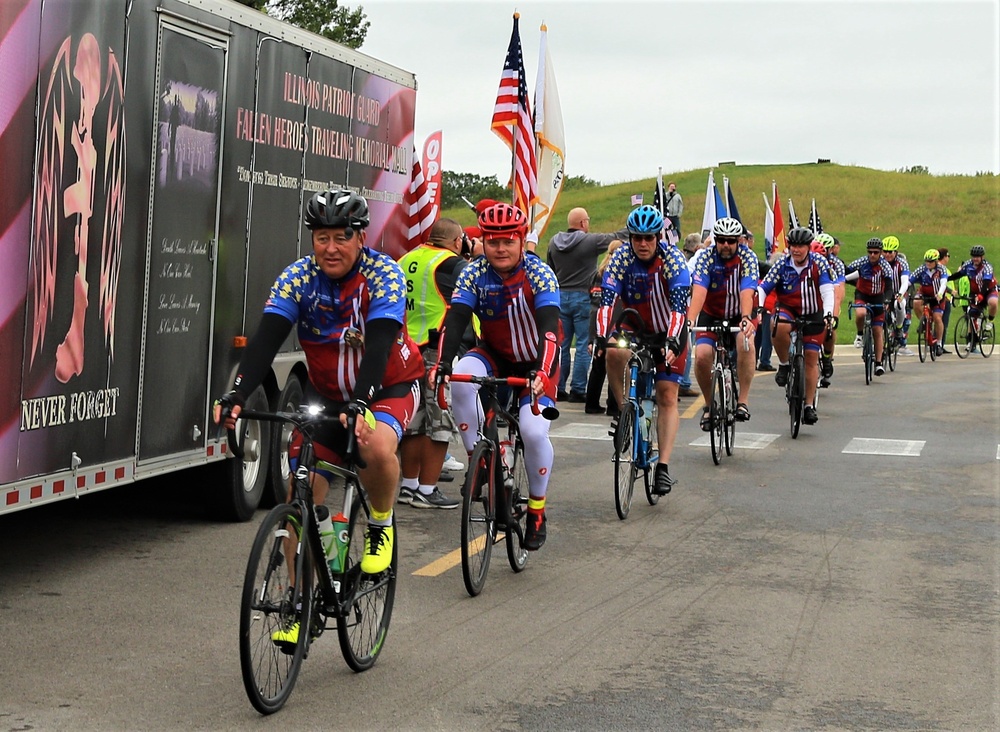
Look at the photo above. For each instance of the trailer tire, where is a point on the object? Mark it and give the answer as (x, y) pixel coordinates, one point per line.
(238, 485)
(288, 401)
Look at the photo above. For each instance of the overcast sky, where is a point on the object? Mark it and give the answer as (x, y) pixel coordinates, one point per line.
(686, 85)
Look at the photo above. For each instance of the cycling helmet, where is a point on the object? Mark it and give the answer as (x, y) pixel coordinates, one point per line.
(728, 227)
(501, 220)
(890, 244)
(977, 251)
(827, 241)
(874, 243)
(817, 246)
(800, 236)
(932, 255)
(644, 220)
(336, 210)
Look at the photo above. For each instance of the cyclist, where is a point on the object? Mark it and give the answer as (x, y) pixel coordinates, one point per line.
(931, 280)
(723, 288)
(652, 277)
(982, 282)
(516, 297)
(346, 301)
(805, 289)
(872, 277)
(831, 250)
(896, 295)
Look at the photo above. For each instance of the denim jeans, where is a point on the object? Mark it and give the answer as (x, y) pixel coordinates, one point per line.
(575, 319)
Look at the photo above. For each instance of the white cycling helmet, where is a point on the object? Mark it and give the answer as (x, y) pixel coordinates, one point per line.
(728, 227)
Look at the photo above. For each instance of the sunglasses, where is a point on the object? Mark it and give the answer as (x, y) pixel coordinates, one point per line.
(643, 237)
(726, 240)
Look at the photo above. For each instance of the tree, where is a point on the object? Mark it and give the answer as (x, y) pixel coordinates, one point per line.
(472, 186)
(325, 17)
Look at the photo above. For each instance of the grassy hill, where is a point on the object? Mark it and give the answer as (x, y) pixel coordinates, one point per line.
(854, 204)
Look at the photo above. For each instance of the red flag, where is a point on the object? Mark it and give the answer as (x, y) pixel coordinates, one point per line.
(432, 167)
(420, 211)
(512, 122)
(779, 225)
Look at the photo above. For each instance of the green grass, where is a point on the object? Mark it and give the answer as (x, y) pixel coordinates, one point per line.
(854, 204)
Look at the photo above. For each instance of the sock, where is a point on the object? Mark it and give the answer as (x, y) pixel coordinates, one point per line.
(782, 363)
(410, 483)
(426, 489)
(536, 505)
(381, 519)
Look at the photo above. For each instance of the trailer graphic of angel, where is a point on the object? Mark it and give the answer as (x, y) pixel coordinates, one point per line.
(79, 161)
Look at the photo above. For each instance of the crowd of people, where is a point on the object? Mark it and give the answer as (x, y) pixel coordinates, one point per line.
(381, 337)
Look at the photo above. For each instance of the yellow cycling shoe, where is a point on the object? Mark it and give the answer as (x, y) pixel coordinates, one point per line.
(378, 549)
(286, 638)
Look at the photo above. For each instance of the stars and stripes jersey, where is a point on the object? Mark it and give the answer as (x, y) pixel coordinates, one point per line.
(723, 280)
(658, 290)
(506, 306)
(981, 279)
(929, 280)
(330, 314)
(798, 290)
(900, 269)
(836, 265)
(873, 279)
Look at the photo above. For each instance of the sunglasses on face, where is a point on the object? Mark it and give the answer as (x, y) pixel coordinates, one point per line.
(726, 240)
(643, 237)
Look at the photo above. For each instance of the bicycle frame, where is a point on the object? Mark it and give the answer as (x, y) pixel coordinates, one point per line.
(723, 429)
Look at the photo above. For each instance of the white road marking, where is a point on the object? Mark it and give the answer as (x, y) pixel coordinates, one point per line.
(583, 431)
(744, 440)
(870, 446)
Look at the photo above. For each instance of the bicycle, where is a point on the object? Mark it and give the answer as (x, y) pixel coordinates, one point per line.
(867, 341)
(290, 580)
(495, 493)
(634, 434)
(725, 388)
(795, 387)
(973, 331)
(926, 341)
(893, 335)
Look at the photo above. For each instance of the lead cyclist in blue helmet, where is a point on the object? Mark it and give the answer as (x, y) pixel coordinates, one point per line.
(652, 277)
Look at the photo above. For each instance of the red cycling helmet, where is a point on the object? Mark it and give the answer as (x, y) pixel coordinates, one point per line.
(817, 246)
(501, 220)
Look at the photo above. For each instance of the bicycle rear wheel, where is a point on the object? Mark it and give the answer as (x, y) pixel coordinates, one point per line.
(717, 414)
(797, 379)
(922, 345)
(652, 457)
(963, 336)
(932, 342)
(891, 348)
(731, 398)
(625, 471)
(478, 517)
(987, 338)
(363, 625)
(868, 354)
(275, 598)
(517, 555)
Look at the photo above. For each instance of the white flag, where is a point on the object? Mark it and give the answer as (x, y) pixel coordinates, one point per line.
(768, 226)
(551, 140)
(708, 220)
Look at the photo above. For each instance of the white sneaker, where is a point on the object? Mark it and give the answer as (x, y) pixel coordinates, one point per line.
(988, 327)
(904, 351)
(858, 341)
(452, 464)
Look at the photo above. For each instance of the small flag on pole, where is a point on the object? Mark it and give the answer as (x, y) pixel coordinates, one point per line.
(793, 220)
(815, 225)
(636, 199)
(779, 224)
(420, 209)
(768, 228)
(708, 218)
(733, 211)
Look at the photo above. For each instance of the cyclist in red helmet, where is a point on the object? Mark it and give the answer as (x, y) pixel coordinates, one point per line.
(516, 298)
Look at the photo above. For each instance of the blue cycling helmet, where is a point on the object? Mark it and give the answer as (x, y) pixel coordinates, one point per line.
(645, 220)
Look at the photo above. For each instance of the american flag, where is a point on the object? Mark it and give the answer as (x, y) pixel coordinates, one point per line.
(815, 225)
(420, 209)
(636, 199)
(512, 122)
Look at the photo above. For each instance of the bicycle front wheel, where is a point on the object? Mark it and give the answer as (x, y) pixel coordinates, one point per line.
(987, 338)
(922, 345)
(717, 415)
(797, 380)
(963, 336)
(517, 555)
(625, 471)
(891, 348)
(277, 596)
(868, 354)
(731, 399)
(478, 517)
(364, 622)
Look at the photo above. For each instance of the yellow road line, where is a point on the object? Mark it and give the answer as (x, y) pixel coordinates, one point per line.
(695, 407)
(452, 559)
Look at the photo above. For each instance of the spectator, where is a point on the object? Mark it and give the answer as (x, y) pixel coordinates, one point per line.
(572, 255)
(673, 208)
(949, 294)
(598, 366)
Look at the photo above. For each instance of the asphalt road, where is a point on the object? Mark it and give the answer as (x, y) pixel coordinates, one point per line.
(796, 586)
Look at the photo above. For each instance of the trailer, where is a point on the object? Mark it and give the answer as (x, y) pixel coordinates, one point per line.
(156, 158)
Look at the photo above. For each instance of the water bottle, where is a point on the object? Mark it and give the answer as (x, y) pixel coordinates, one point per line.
(507, 462)
(325, 529)
(646, 422)
(341, 538)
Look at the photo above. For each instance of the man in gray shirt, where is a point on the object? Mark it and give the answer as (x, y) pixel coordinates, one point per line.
(674, 207)
(573, 256)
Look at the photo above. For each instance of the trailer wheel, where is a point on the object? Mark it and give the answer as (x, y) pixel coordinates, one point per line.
(239, 484)
(288, 401)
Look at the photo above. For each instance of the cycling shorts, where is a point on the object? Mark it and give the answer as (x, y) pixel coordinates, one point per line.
(813, 333)
(876, 304)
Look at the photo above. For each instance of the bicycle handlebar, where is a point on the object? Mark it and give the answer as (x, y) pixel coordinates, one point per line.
(299, 419)
(514, 382)
(722, 327)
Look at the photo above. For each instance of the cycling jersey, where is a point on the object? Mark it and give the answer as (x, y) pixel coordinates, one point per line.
(931, 282)
(332, 318)
(724, 279)
(900, 274)
(837, 268)
(870, 279)
(801, 290)
(981, 278)
(658, 290)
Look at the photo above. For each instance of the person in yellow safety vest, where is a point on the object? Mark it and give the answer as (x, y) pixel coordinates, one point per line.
(431, 270)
